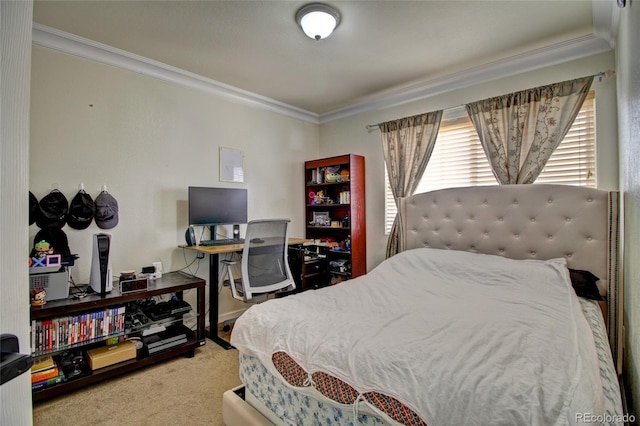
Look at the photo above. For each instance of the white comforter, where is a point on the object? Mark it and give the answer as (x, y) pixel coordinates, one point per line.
(459, 338)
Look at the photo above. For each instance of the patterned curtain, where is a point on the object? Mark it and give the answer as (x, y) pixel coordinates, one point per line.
(520, 131)
(407, 144)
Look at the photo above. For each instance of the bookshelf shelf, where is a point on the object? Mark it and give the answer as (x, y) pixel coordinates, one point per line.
(335, 193)
(174, 282)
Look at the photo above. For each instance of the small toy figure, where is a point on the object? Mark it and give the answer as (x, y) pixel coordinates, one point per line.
(41, 251)
(43, 248)
(37, 296)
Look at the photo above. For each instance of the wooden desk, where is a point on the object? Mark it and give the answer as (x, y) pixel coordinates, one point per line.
(214, 252)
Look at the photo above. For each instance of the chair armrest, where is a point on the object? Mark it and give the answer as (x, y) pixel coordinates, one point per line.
(229, 262)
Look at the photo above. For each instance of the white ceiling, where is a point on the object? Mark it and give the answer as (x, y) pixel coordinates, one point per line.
(380, 50)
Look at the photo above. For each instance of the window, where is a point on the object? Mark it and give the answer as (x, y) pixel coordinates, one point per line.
(458, 158)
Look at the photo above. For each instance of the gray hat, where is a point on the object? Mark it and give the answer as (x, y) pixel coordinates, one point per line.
(106, 211)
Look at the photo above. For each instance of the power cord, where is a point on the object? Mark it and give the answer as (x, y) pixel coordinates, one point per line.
(188, 264)
(76, 291)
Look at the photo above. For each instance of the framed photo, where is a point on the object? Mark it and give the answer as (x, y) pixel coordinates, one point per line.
(321, 219)
(231, 165)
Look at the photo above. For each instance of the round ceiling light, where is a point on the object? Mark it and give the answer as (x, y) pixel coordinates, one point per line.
(318, 20)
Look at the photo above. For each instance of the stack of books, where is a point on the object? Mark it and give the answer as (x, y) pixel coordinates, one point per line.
(45, 373)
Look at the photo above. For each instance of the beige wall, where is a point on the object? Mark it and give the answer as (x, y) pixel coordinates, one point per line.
(350, 135)
(147, 140)
(628, 66)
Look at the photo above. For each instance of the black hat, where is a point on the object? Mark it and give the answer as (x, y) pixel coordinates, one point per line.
(81, 211)
(57, 240)
(53, 210)
(33, 208)
(106, 211)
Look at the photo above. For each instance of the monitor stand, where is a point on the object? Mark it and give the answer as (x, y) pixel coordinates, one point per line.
(214, 235)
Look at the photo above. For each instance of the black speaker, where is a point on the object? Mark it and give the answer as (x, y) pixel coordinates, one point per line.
(236, 232)
(190, 236)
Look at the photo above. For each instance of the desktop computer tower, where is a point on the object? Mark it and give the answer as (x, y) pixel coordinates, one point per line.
(101, 274)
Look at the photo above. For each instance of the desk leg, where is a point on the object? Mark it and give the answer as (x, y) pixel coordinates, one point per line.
(213, 303)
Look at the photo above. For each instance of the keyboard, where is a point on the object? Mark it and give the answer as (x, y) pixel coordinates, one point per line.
(221, 242)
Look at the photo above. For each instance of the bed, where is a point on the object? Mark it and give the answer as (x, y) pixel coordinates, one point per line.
(476, 321)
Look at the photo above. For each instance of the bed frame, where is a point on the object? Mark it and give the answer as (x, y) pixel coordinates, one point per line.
(516, 221)
(538, 221)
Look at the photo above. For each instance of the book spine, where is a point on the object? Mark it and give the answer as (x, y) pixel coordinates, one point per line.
(47, 383)
(65, 331)
(42, 363)
(56, 334)
(47, 337)
(76, 332)
(72, 331)
(33, 335)
(121, 319)
(92, 325)
(83, 328)
(44, 375)
(102, 328)
(39, 335)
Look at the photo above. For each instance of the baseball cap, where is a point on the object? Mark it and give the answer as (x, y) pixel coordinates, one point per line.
(82, 209)
(33, 208)
(106, 211)
(52, 211)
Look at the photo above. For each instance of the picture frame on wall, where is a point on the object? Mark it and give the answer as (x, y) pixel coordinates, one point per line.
(231, 165)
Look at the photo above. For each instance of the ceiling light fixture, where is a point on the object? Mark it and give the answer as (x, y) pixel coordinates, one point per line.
(318, 20)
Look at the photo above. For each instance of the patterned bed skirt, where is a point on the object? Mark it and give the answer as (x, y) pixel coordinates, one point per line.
(294, 407)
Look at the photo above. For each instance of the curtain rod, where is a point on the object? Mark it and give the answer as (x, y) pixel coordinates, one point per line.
(601, 75)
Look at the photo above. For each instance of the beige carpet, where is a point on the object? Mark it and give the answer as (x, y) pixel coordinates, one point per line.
(181, 391)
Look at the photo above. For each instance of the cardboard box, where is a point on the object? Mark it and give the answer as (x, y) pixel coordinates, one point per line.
(109, 355)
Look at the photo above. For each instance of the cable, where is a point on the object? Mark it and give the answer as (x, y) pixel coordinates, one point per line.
(188, 265)
(76, 292)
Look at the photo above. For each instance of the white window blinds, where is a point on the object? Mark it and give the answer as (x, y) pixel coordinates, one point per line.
(458, 158)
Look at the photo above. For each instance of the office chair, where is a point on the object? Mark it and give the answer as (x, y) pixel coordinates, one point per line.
(264, 264)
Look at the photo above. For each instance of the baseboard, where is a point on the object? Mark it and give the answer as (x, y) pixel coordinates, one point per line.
(231, 315)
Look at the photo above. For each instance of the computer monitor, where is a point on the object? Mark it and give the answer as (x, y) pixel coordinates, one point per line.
(217, 206)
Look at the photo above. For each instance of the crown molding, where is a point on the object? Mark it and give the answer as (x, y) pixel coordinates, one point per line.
(606, 17)
(562, 52)
(88, 49)
(599, 42)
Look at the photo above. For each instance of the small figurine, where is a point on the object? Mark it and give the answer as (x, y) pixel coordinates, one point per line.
(43, 248)
(37, 297)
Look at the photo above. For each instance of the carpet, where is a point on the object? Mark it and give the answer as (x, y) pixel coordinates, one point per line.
(180, 391)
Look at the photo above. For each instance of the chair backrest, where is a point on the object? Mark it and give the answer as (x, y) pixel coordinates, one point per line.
(265, 266)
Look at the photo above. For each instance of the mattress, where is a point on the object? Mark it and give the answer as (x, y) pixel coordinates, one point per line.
(507, 340)
(285, 405)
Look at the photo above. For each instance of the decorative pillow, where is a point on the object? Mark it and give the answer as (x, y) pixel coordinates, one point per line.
(584, 284)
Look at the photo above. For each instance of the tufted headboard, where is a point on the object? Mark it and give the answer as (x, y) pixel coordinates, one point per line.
(537, 221)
